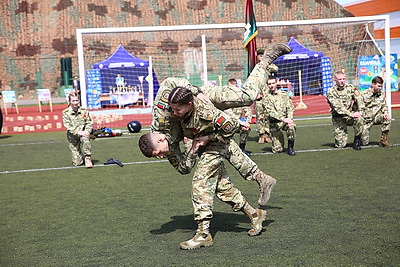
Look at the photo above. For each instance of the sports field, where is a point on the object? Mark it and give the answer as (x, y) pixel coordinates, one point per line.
(331, 207)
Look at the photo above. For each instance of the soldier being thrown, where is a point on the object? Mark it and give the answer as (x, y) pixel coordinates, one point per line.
(79, 125)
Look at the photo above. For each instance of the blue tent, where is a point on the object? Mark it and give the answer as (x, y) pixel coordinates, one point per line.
(129, 66)
(306, 60)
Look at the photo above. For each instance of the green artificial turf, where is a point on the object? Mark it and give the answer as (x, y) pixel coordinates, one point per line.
(330, 207)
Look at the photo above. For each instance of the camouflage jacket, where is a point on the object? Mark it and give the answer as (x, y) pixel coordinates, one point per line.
(278, 106)
(345, 101)
(183, 162)
(373, 104)
(208, 120)
(161, 112)
(242, 112)
(77, 121)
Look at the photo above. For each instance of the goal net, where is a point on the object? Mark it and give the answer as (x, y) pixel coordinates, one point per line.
(144, 56)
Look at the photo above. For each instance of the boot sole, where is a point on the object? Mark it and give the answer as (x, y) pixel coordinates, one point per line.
(185, 246)
(271, 186)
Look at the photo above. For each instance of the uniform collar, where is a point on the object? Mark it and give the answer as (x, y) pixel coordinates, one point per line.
(74, 112)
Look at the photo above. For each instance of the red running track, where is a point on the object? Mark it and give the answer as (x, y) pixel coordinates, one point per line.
(31, 120)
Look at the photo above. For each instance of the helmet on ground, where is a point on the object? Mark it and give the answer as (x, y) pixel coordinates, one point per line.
(134, 126)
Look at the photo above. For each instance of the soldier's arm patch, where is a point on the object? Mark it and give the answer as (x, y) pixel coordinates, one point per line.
(161, 105)
(220, 121)
(356, 92)
(227, 127)
(165, 96)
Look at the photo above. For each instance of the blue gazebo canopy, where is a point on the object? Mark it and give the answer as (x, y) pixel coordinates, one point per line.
(120, 59)
(299, 52)
(306, 60)
(128, 66)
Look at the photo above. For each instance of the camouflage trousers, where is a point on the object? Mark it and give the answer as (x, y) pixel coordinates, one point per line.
(210, 179)
(224, 97)
(262, 122)
(379, 119)
(80, 147)
(240, 161)
(340, 132)
(276, 134)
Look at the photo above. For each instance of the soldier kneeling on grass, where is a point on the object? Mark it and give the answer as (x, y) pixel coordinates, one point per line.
(79, 126)
(375, 112)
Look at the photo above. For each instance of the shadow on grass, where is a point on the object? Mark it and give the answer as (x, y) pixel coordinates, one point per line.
(267, 149)
(5, 136)
(372, 143)
(329, 145)
(252, 138)
(221, 222)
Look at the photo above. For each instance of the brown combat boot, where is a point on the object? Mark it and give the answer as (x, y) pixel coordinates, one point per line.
(267, 138)
(273, 52)
(256, 216)
(202, 238)
(266, 183)
(384, 142)
(88, 162)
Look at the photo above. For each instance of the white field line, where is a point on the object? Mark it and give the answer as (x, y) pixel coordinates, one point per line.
(162, 161)
(75, 167)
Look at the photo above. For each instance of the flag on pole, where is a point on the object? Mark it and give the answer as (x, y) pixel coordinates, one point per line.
(249, 41)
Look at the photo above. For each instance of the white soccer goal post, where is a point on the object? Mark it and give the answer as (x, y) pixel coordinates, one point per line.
(214, 52)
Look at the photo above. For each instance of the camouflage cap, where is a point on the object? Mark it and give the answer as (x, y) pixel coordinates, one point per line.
(260, 51)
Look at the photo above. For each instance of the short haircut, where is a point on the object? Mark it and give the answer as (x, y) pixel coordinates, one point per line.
(339, 73)
(377, 79)
(180, 96)
(232, 80)
(146, 145)
(71, 95)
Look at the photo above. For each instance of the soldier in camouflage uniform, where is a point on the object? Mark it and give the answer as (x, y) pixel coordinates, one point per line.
(375, 112)
(156, 145)
(222, 97)
(204, 120)
(79, 125)
(242, 113)
(280, 110)
(346, 107)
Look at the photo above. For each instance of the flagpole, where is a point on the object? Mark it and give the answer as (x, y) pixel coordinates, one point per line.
(249, 41)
